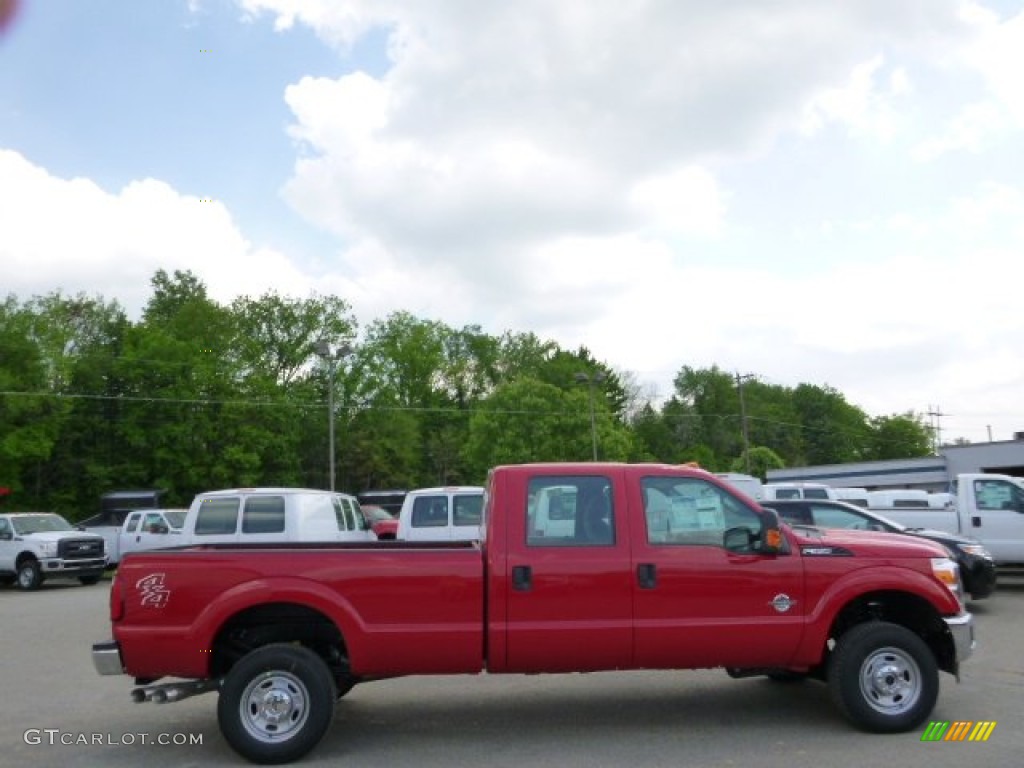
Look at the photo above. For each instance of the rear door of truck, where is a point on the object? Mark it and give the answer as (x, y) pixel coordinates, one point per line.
(561, 593)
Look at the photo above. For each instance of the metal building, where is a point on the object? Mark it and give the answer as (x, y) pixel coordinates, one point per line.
(931, 473)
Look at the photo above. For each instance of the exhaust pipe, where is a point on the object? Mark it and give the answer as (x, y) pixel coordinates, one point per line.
(166, 692)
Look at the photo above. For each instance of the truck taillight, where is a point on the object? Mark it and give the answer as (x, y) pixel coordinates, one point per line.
(116, 600)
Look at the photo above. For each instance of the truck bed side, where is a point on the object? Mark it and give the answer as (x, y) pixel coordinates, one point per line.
(398, 609)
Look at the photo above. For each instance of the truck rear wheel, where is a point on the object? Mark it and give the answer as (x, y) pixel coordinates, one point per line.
(29, 575)
(883, 677)
(276, 703)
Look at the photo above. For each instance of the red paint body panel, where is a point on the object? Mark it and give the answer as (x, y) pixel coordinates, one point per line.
(460, 608)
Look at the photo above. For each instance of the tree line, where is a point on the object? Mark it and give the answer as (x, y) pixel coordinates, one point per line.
(197, 395)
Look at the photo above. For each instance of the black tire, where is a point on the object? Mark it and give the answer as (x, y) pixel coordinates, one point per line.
(296, 684)
(29, 575)
(88, 580)
(883, 677)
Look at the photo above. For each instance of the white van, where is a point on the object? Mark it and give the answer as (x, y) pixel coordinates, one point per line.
(857, 496)
(451, 513)
(748, 484)
(773, 491)
(254, 515)
(899, 498)
(552, 513)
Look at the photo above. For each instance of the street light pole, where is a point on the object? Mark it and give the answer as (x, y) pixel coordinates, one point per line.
(324, 350)
(743, 418)
(590, 381)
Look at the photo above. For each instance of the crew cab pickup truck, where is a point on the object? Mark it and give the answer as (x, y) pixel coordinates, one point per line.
(36, 546)
(663, 567)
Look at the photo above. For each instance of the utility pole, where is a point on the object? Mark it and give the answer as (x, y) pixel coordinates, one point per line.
(594, 378)
(323, 349)
(743, 418)
(937, 415)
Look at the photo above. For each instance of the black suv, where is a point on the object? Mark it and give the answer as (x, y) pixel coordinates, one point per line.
(977, 568)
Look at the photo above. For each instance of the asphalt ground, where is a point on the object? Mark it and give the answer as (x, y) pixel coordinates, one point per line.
(58, 712)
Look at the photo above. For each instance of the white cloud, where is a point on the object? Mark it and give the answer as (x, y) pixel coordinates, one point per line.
(668, 182)
(71, 235)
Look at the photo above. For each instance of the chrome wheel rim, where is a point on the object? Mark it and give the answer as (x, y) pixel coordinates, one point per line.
(890, 681)
(274, 707)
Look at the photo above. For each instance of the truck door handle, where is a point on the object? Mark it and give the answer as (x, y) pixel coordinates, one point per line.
(976, 521)
(647, 575)
(522, 578)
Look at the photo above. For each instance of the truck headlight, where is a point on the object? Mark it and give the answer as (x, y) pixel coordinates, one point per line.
(948, 572)
(48, 549)
(978, 550)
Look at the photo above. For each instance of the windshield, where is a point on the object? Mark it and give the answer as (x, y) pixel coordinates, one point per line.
(27, 524)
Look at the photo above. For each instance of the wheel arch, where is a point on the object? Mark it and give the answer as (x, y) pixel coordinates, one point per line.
(264, 624)
(897, 607)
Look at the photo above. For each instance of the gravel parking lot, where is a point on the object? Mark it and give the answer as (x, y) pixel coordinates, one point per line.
(702, 719)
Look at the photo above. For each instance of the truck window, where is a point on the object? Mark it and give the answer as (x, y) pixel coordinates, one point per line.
(217, 516)
(133, 522)
(691, 511)
(263, 514)
(815, 493)
(467, 509)
(344, 514)
(570, 512)
(430, 512)
(998, 494)
(153, 523)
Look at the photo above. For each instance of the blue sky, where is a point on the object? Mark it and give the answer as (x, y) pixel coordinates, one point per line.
(803, 191)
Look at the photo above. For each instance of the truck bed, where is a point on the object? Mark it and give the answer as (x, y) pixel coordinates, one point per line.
(439, 602)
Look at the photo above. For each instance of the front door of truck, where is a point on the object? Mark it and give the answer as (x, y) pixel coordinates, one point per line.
(996, 517)
(698, 603)
(568, 595)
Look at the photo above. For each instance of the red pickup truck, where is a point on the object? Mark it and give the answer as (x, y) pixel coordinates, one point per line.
(632, 566)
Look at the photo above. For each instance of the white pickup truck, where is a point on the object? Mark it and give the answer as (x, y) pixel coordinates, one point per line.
(36, 546)
(987, 507)
(146, 529)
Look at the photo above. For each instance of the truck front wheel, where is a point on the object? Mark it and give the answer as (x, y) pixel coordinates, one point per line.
(883, 677)
(29, 575)
(276, 703)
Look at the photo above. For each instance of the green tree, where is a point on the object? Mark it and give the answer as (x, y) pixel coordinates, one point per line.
(762, 459)
(29, 420)
(903, 436)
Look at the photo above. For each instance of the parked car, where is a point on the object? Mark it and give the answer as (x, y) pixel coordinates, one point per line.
(381, 522)
(977, 566)
(36, 546)
(451, 513)
(274, 515)
(388, 500)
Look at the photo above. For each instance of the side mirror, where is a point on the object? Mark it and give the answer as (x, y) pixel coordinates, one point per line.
(6, 536)
(772, 540)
